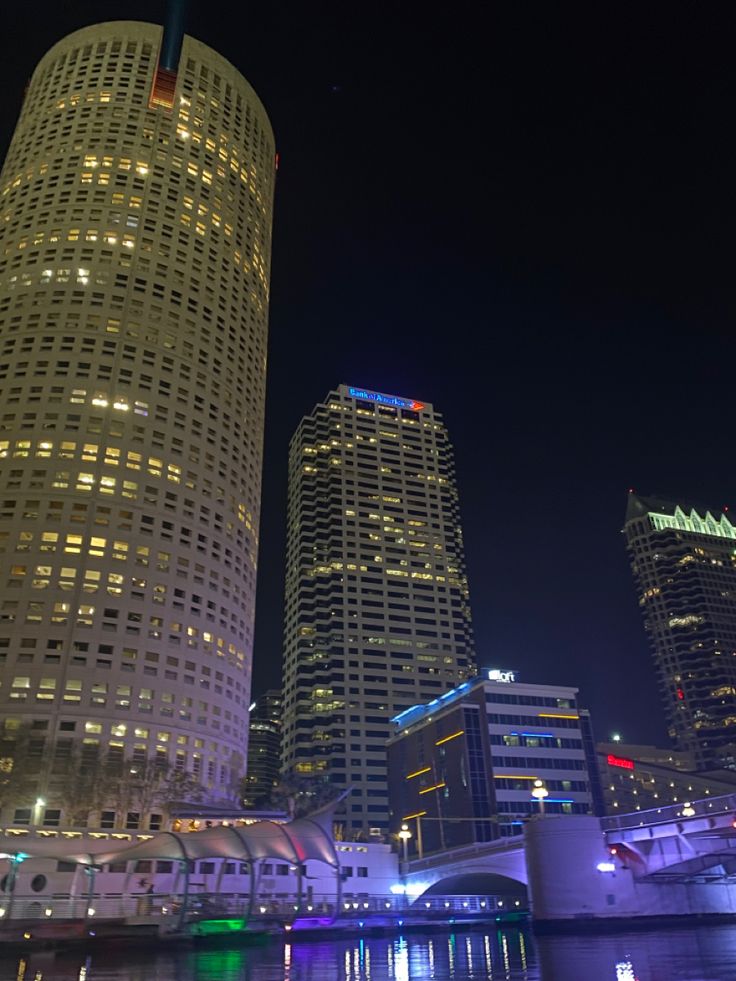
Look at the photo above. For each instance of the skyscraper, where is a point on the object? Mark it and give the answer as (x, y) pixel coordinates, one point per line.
(377, 615)
(264, 748)
(684, 564)
(135, 238)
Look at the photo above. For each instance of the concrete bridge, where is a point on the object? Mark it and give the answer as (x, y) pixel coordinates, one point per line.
(450, 871)
(669, 861)
(677, 842)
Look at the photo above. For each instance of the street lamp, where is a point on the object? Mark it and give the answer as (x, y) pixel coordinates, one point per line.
(405, 835)
(539, 792)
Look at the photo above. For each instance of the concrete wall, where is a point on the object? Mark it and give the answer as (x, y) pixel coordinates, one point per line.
(564, 883)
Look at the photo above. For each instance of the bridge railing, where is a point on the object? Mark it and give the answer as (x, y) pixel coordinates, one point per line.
(435, 905)
(463, 852)
(708, 807)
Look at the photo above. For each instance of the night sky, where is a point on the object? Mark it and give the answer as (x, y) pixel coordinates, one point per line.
(525, 216)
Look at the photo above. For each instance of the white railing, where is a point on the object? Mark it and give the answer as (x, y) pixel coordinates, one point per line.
(19, 906)
(707, 807)
(464, 852)
(158, 907)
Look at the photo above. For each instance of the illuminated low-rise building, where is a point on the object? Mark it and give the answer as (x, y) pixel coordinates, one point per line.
(465, 767)
(639, 778)
(377, 611)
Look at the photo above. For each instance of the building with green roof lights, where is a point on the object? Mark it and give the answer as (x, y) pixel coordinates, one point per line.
(683, 557)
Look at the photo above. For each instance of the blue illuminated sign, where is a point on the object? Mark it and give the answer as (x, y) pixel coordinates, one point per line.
(420, 710)
(392, 400)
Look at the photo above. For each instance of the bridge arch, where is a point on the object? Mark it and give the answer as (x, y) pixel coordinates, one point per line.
(471, 872)
(476, 883)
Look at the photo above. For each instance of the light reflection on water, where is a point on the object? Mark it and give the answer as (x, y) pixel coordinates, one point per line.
(705, 954)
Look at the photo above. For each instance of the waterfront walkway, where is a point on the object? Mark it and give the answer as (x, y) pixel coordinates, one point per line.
(160, 916)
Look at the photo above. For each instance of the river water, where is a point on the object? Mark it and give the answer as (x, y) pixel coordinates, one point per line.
(693, 954)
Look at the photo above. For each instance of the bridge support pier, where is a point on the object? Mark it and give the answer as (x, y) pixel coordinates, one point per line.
(574, 878)
(562, 858)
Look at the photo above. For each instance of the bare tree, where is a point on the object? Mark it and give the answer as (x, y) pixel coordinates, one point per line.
(19, 767)
(154, 783)
(299, 796)
(87, 787)
(84, 779)
(182, 787)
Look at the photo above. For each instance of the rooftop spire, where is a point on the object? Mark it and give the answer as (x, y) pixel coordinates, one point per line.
(173, 35)
(164, 81)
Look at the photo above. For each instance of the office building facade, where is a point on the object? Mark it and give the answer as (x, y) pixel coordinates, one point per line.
(684, 564)
(136, 203)
(462, 768)
(264, 748)
(377, 612)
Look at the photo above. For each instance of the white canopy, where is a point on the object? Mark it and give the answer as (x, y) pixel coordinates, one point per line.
(295, 842)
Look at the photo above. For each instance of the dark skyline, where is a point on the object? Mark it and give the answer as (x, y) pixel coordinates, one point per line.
(522, 216)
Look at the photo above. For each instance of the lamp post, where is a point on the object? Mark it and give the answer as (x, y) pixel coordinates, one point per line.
(405, 835)
(539, 793)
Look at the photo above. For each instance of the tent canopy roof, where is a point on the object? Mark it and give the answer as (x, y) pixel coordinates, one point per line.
(295, 842)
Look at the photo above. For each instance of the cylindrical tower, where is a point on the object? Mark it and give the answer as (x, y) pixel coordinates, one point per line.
(135, 238)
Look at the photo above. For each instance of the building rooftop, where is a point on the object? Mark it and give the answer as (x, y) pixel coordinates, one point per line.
(495, 680)
(381, 398)
(637, 506)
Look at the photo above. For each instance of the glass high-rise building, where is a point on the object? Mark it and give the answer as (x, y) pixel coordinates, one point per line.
(684, 563)
(135, 237)
(264, 748)
(377, 613)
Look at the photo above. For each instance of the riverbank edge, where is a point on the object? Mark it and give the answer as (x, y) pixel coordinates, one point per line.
(144, 939)
(622, 924)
